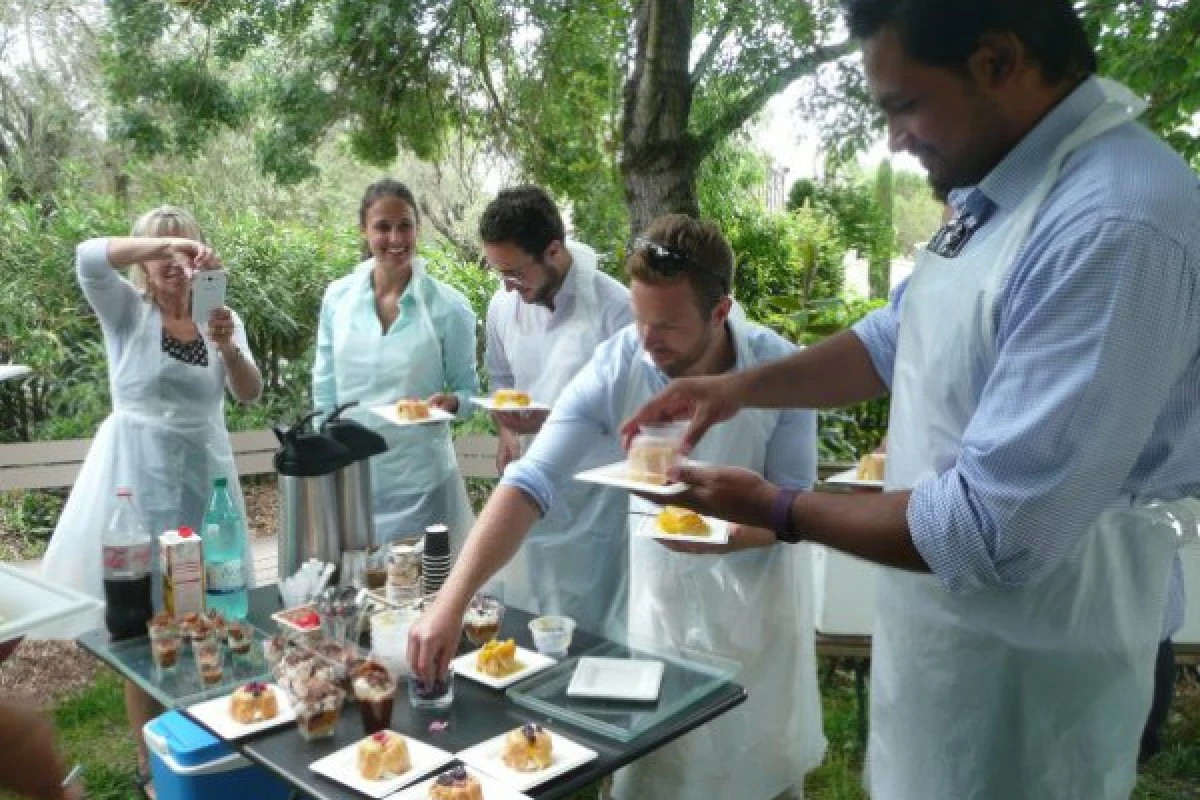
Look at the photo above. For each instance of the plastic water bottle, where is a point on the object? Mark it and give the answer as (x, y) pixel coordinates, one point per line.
(126, 548)
(224, 550)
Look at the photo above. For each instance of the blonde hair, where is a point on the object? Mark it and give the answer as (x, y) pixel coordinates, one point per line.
(163, 221)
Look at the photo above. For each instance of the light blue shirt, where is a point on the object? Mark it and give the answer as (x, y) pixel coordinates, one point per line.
(1095, 391)
(450, 313)
(592, 408)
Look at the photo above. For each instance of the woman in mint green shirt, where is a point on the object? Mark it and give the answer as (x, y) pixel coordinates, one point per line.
(390, 331)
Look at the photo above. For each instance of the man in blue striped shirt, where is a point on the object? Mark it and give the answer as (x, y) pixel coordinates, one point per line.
(1044, 365)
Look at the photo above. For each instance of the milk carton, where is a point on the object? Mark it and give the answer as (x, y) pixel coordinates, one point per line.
(181, 555)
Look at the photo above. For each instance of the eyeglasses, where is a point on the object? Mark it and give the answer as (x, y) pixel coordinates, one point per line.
(666, 261)
(514, 278)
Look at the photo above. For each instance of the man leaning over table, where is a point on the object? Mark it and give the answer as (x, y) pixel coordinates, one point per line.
(740, 601)
(1043, 362)
(543, 325)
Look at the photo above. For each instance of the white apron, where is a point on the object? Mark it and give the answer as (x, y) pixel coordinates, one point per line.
(1038, 692)
(416, 482)
(754, 607)
(166, 440)
(575, 559)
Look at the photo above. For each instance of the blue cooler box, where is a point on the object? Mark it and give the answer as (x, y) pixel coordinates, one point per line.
(189, 763)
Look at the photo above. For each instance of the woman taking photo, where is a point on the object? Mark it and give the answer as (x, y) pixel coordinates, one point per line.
(389, 331)
(166, 438)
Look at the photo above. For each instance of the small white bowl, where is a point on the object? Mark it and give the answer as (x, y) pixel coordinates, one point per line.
(552, 635)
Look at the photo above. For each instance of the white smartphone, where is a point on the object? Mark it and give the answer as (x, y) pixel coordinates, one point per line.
(208, 293)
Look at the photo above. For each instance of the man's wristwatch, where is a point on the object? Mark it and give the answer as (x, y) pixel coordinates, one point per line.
(781, 516)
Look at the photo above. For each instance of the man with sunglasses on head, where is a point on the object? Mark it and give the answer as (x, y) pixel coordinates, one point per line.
(553, 309)
(749, 600)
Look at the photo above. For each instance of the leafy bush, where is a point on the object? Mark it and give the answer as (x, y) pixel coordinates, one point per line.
(279, 271)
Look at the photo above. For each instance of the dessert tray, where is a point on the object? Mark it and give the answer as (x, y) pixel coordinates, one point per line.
(388, 412)
(492, 789)
(214, 715)
(531, 662)
(617, 475)
(490, 404)
(488, 758)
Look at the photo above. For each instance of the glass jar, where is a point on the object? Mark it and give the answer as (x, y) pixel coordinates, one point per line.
(403, 574)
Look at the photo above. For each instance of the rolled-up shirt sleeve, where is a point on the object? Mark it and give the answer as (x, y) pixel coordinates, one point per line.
(584, 414)
(1091, 338)
(879, 332)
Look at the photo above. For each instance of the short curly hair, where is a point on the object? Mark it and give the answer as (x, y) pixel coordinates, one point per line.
(524, 215)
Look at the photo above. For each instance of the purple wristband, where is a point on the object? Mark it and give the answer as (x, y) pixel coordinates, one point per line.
(781, 515)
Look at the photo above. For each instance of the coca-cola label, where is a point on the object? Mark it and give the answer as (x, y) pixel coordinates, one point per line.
(224, 578)
(126, 561)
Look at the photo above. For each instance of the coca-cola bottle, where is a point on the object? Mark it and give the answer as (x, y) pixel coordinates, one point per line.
(127, 547)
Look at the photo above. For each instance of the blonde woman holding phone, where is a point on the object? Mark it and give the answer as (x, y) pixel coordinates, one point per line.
(166, 437)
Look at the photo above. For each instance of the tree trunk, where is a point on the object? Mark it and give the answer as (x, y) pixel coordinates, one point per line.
(659, 158)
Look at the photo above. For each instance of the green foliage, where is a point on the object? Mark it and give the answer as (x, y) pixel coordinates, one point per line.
(1152, 48)
(279, 269)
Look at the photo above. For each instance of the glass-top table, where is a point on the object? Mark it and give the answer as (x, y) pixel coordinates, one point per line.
(478, 713)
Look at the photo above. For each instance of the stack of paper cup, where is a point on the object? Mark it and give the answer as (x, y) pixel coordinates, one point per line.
(435, 561)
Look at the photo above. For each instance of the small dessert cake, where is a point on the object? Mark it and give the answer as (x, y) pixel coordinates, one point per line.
(411, 409)
(650, 460)
(457, 784)
(498, 658)
(511, 397)
(383, 753)
(870, 467)
(528, 748)
(254, 702)
(676, 520)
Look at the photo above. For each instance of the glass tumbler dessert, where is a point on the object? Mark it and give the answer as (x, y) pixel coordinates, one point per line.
(375, 691)
(318, 706)
(207, 652)
(481, 623)
(240, 637)
(166, 640)
(435, 694)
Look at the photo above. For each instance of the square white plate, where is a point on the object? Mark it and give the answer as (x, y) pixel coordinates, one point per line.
(492, 789)
(616, 679)
(616, 475)
(718, 531)
(436, 416)
(850, 478)
(488, 757)
(530, 661)
(490, 405)
(342, 766)
(215, 716)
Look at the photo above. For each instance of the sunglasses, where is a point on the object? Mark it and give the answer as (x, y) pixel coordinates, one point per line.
(666, 261)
